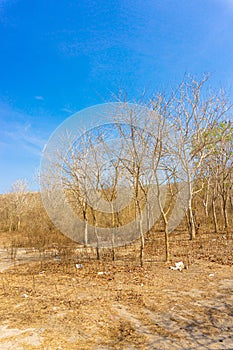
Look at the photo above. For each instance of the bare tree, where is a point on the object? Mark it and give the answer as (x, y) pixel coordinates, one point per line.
(18, 202)
(221, 163)
(194, 116)
(137, 138)
(216, 169)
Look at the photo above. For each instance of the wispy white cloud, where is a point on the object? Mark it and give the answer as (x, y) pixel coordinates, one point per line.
(17, 131)
(67, 110)
(39, 98)
(22, 139)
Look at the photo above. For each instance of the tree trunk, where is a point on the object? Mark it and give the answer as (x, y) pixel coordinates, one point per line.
(19, 224)
(166, 234)
(165, 222)
(192, 229)
(97, 253)
(225, 214)
(11, 226)
(113, 252)
(206, 209)
(214, 216)
(167, 249)
(113, 243)
(85, 232)
(148, 216)
(113, 233)
(97, 241)
(187, 220)
(206, 200)
(142, 245)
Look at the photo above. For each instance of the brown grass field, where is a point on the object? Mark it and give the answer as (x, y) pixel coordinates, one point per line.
(48, 303)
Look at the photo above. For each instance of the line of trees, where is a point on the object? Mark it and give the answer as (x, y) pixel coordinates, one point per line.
(185, 137)
(216, 173)
(132, 170)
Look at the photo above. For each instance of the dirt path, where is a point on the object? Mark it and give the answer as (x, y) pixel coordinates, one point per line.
(12, 257)
(183, 327)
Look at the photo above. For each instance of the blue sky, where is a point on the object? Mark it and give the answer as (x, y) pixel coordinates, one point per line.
(58, 57)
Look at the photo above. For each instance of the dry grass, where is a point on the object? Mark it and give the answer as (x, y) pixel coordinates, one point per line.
(118, 305)
(47, 303)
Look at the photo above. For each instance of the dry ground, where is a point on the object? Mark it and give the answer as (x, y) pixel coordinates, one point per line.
(48, 303)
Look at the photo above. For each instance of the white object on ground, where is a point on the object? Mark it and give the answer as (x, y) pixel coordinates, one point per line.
(178, 266)
(79, 266)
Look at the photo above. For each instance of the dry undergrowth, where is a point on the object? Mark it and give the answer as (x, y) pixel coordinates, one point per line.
(118, 305)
